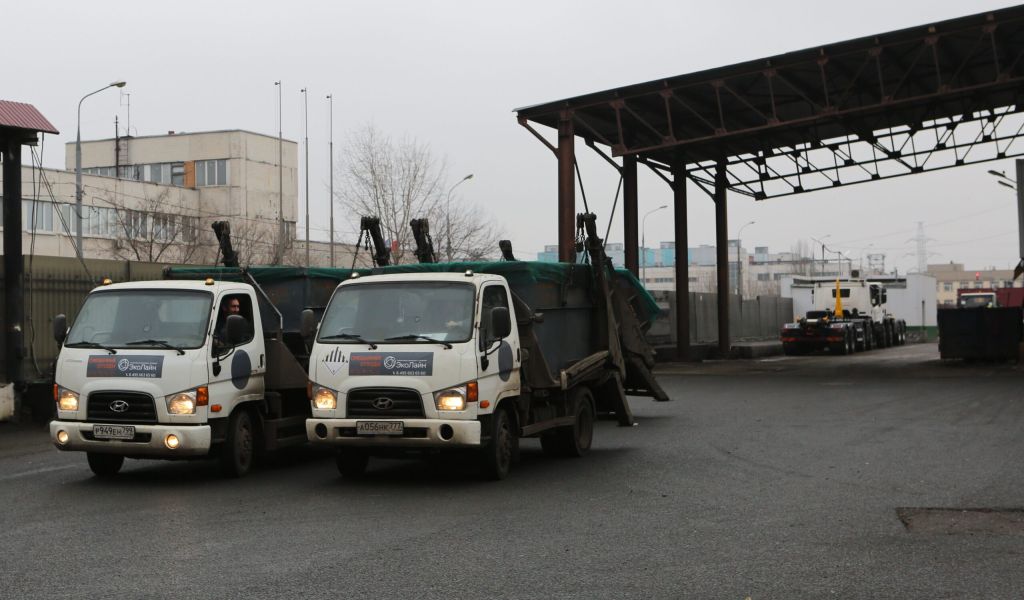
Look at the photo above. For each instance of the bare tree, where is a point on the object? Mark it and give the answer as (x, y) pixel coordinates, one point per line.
(152, 229)
(256, 242)
(402, 181)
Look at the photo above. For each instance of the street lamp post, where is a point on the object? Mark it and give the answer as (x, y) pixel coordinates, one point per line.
(305, 102)
(78, 167)
(643, 242)
(824, 237)
(448, 213)
(330, 162)
(739, 263)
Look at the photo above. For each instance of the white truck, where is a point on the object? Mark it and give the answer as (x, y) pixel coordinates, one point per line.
(422, 359)
(847, 316)
(177, 369)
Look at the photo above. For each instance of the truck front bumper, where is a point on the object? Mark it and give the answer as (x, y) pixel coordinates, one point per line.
(150, 440)
(417, 433)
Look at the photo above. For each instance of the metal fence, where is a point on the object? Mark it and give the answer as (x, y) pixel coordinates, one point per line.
(758, 318)
(56, 285)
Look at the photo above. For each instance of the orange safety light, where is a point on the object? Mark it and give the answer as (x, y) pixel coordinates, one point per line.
(472, 391)
(485, 403)
(215, 408)
(202, 396)
(55, 392)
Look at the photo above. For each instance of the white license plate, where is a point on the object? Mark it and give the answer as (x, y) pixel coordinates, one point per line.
(380, 428)
(113, 432)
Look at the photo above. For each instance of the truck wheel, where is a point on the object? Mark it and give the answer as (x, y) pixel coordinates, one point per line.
(497, 454)
(851, 342)
(887, 342)
(236, 455)
(104, 466)
(574, 440)
(787, 349)
(869, 339)
(352, 463)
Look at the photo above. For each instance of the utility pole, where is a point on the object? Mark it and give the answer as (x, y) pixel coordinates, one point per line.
(305, 100)
(280, 180)
(330, 162)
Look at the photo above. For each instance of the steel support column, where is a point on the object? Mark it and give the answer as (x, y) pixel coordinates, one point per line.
(566, 189)
(14, 311)
(630, 221)
(682, 262)
(722, 257)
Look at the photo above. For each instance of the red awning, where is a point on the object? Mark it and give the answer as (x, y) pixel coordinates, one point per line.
(18, 115)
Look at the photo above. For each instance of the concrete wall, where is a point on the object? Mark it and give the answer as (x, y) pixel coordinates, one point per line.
(757, 318)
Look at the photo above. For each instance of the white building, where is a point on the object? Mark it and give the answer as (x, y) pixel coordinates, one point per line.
(153, 198)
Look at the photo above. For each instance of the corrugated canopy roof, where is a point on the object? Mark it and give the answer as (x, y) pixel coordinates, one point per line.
(897, 103)
(18, 115)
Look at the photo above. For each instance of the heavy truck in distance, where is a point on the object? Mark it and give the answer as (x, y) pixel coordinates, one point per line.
(847, 317)
(189, 367)
(987, 324)
(471, 357)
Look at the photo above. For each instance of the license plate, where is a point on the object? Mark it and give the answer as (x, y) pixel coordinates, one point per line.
(380, 428)
(113, 432)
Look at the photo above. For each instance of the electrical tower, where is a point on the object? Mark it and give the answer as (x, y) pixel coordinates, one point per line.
(876, 264)
(922, 248)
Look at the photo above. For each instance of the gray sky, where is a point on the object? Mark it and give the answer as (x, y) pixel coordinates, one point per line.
(450, 74)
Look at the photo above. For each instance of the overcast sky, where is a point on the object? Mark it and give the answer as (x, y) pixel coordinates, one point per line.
(451, 73)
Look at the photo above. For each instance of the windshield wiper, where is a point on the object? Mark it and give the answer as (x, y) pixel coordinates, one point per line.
(417, 336)
(349, 336)
(162, 343)
(84, 344)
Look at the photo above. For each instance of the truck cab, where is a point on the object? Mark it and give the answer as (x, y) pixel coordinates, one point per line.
(162, 369)
(412, 361)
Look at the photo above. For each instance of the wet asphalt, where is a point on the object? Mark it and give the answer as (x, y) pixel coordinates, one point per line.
(773, 478)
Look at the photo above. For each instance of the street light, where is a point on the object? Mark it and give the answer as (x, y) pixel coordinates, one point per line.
(739, 263)
(78, 167)
(643, 240)
(448, 213)
(824, 237)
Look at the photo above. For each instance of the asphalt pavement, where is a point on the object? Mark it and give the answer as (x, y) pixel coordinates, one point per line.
(784, 477)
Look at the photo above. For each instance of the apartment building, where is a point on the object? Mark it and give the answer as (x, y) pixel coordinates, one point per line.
(950, 277)
(153, 198)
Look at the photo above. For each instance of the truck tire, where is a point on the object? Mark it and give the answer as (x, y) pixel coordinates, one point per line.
(352, 463)
(851, 341)
(104, 466)
(237, 454)
(787, 349)
(869, 337)
(497, 455)
(575, 440)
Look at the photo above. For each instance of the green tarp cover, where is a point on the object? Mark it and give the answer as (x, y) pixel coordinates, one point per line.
(516, 272)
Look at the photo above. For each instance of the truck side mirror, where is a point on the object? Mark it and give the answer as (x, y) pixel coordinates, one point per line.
(236, 329)
(60, 329)
(501, 323)
(885, 296)
(307, 324)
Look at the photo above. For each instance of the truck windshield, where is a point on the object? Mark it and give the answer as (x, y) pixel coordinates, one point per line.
(375, 312)
(977, 301)
(125, 318)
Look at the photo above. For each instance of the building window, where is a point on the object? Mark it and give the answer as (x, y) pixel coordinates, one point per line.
(764, 276)
(178, 174)
(43, 215)
(211, 172)
(947, 287)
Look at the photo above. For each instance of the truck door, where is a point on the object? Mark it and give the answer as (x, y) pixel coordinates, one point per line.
(501, 377)
(236, 373)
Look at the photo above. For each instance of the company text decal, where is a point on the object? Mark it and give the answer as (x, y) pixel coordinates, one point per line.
(395, 363)
(139, 365)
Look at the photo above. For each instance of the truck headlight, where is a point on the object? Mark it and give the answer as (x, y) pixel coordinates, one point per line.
(182, 403)
(324, 398)
(66, 399)
(455, 398)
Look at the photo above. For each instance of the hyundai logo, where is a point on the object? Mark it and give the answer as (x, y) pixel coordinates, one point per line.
(382, 403)
(119, 406)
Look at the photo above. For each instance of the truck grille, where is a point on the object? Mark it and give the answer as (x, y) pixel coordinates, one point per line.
(140, 409)
(369, 402)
